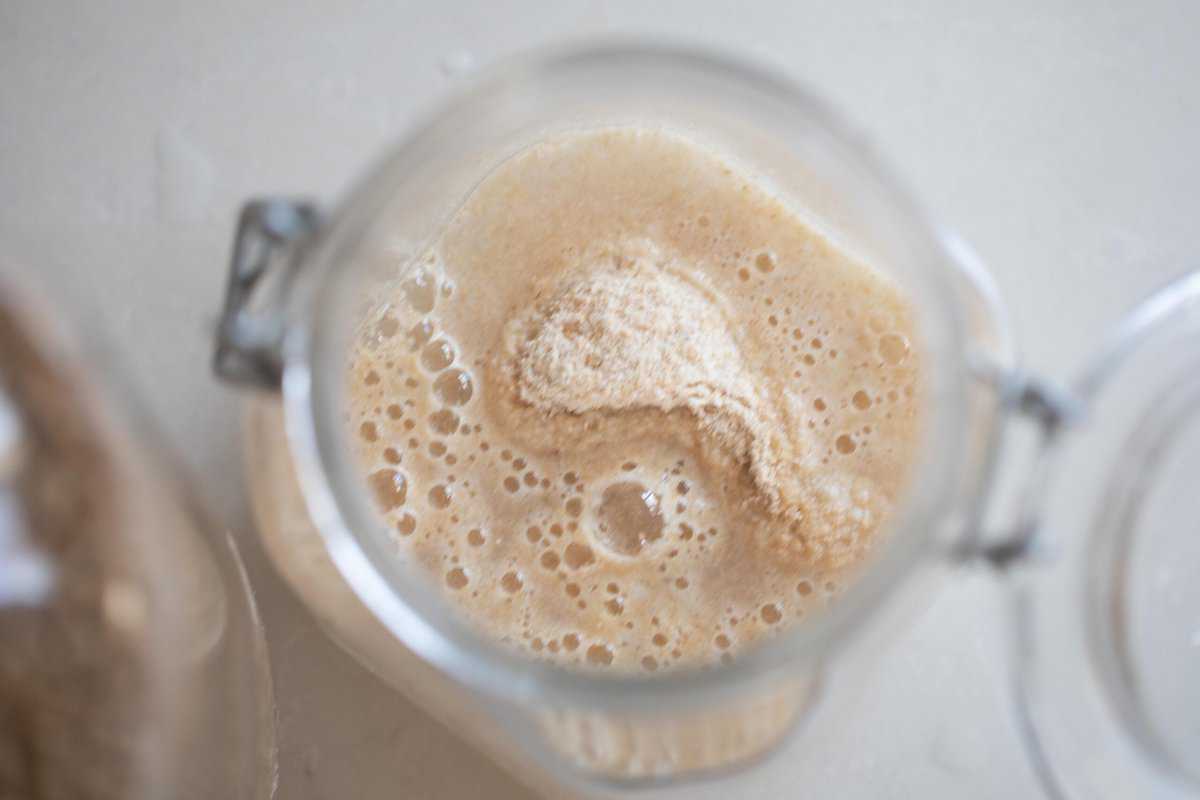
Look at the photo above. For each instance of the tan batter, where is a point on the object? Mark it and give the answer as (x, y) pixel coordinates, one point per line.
(631, 410)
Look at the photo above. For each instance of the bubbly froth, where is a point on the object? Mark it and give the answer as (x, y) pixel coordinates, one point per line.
(630, 410)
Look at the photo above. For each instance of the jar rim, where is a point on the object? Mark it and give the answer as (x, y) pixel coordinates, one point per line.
(337, 500)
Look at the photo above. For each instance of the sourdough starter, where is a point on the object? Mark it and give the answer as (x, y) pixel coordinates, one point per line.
(630, 410)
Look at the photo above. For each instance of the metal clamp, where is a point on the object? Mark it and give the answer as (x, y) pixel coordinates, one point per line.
(1051, 409)
(251, 328)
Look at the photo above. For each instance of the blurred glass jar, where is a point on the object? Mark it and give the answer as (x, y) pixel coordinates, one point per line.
(132, 662)
(297, 295)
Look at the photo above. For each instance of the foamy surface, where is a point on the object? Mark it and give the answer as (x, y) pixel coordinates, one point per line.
(631, 411)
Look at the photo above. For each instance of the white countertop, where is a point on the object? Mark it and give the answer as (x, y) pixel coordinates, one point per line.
(1061, 139)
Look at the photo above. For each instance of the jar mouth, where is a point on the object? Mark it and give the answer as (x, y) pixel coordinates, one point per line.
(318, 341)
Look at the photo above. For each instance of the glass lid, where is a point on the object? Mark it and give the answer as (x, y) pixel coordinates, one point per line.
(1107, 615)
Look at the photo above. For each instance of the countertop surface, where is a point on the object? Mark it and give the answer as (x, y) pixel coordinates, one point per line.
(1061, 140)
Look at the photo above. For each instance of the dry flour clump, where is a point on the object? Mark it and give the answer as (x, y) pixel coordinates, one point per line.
(632, 329)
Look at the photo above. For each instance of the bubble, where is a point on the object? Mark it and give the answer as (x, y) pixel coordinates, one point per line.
(512, 484)
(574, 506)
(600, 655)
(556, 529)
(815, 344)
(533, 533)
(369, 432)
(808, 359)
(444, 422)
(861, 400)
(772, 320)
(683, 487)
(819, 404)
(744, 274)
(770, 614)
(845, 445)
(572, 589)
(630, 517)
(419, 335)
(570, 642)
(612, 588)
(765, 262)
(615, 606)
(660, 640)
(409, 424)
(681, 583)
(439, 496)
(456, 578)
(530, 479)
(518, 464)
(893, 348)
(537, 644)
(387, 327)
(394, 411)
(570, 478)
(722, 641)
(453, 387)
(649, 663)
(389, 487)
(391, 455)
(475, 537)
(804, 588)
(578, 555)
(421, 292)
(437, 449)
(407, 525)
(685, 531)
(550, 560)
(437, 355)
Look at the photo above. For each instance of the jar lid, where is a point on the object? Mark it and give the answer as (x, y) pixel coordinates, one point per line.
(1107, 621)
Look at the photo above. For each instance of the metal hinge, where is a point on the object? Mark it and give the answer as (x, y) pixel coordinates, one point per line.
(1049, 410)
(252, 325)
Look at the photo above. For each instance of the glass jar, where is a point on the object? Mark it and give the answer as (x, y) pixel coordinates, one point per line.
(297, 293)
(132, 661)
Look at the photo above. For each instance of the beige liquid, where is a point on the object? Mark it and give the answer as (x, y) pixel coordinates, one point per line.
(631, 411)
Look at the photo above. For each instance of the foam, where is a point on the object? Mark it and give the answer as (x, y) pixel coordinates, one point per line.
(635, 527)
